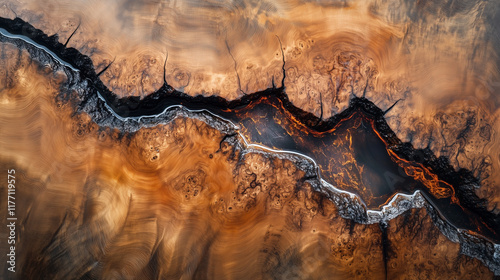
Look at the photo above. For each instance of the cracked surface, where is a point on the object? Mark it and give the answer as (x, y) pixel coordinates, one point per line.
(438, 58)
(459, 123)
(174, 202)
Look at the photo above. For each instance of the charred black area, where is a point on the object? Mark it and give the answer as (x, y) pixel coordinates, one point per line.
(385, 245)
(301, 131)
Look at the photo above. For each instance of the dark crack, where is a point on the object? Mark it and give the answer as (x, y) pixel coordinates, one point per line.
(132, 113)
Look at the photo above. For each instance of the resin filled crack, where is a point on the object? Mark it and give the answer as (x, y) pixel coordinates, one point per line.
(453, 194)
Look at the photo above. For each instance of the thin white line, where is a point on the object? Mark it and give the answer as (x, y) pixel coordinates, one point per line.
(31, 42)
(247, 144)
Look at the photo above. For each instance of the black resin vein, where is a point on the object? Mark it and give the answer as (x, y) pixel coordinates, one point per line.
(166, 96)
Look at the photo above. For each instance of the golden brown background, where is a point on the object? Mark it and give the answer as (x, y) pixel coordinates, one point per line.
(168, 202)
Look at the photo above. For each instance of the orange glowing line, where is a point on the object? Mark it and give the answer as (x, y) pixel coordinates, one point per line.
(438, 188)
(421, 174)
